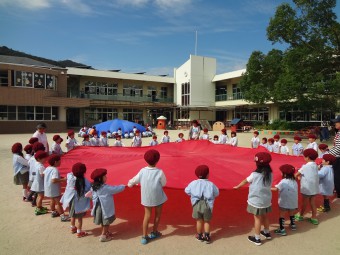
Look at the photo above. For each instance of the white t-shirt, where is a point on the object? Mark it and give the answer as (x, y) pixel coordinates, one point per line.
(288, 193)
(255, 141)
(309, 179)
(42, 138)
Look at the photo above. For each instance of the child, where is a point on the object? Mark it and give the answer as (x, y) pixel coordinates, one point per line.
(103, 204)
(74, 197)
(205, 135)
(309, 185)
(215, 140)
(109, 134)
(166, 137)
(202, 193)
(223, 138)
(71, 142)
(312, 144)
(126, 135)
(86, 140)
(56, 149)
(132, 134)
(118, 142)
(134, 129)
(180, 138)
(154, 141)
(259, 197)
(233, 140)
(270, 145)
(29, 151)
(52, 187)
(277, 144)
(288, 197)
(137, 140)
(94, 139)
(103, 141)
(255, 141)
(323, 149)
(38, 181)
(284, 148)
(297, 148)
(326, 181)
(33, 140)
(264, 143)
(152, 181)
(21, 170)
(120, 132)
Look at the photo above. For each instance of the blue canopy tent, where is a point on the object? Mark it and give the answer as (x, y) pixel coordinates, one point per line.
(113, 125)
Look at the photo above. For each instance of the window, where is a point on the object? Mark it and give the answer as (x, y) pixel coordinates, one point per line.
(133, 90)
(252, 114)
(237, 94)
(103, 114)
(51, 81)
(39, 81)
(186, 93)
(28, 113)
(134, 115)
(164, 92)
(25, 112)
(221, 93)
(152, 92)
(3, 78)
(23, 79)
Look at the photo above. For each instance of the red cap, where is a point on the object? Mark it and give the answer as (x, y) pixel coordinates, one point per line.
(265, 139)
(78, 169)
(323, 146)
(56, 137)
(70, 132)
(215, 136)
(271, 140)
(202, 171)
(223, 130)
(40, 155)
(17, 148)
(38, 147)
(256, 132)
(283, 140)
(152, 157)
(53, 159)
(310, 153)
(33, 140)
(312, 136)
(180, 134)
(28, 148)
(233, 133)
(276, 137)
(154, 137)
(86, 136)
(297, 138)
(330, 158)
(118, 136)
(287, 169)
(98, 173)
(205, 130)
(103, 133)
(166, 132)
(137, 131)
(263, 158)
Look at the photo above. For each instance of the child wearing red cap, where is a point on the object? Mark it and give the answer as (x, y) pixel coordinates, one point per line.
(297, 148)
(277, 144)
(103, 209)
(180, 138)
(205, 135)
(270, 146)
(52, 181)
(323, 149)
(264, 142)
(326, 181)
(309, 185)
(21, 169)
(29, 151)
(55, 148)
(154, 141)
(283, 147)
(312, 142)
(255, 141)
(288, 197)
(215, 140)
(152, 180)
(118, 142)
(137, 140)
(103, 140)
(233, 141)
(94, 139)
(38, 181)
(223, 138)
(166, 137)
(71, 142)
(86, 140)
(202, 194)
(260, 196)
(74, 197)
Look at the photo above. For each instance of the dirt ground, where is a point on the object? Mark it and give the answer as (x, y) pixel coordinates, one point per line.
(21, 232)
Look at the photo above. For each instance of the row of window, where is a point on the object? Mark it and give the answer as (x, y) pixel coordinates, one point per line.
(185, 93)
(28, 113)
(29, 80)
(298, 115)
(253, 114)
(105, 114)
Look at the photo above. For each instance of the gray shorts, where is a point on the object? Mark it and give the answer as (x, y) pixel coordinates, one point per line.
(201, 211)
(21, 179)
(258, 211)
(99, 217)
(72, 212)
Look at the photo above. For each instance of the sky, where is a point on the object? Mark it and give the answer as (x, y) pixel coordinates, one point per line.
(152, 36)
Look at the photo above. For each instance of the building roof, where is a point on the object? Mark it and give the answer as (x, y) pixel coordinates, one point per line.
(229, 75)
(24, 61)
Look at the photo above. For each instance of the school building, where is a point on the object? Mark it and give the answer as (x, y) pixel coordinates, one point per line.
(33, 91)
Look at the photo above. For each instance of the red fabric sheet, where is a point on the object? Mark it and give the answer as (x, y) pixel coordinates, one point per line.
(228, 165)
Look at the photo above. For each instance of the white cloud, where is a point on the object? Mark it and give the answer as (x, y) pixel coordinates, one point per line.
(177, 6)
(77, 6)
(27, 4)
(261, 6)
(135, 3)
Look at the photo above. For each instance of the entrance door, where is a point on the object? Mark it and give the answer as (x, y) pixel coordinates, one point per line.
(73, 117)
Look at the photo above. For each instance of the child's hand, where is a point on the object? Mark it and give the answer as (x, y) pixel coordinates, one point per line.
(236, 187)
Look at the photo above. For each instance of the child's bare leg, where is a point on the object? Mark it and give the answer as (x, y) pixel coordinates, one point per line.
(207, 227)
(105, 229)
(265, 221)
(39, 200)
(313, 206)
(257, 219)
(80, 224)
(158, 213)
(147, 215)
(199, 226)
(60, 209)
(304, 205)
(52, 204)
(73, 221)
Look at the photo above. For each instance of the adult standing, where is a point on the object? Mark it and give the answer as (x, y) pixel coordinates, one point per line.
(194, 131)
(41, 135)
(335, 151)
(324, 132)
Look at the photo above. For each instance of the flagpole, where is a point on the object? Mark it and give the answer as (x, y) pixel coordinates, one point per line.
(196, 44)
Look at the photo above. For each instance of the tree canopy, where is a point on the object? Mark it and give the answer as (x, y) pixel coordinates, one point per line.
(307, 73)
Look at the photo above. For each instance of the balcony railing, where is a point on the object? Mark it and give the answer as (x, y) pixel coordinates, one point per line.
(225, 97)
(121, 97)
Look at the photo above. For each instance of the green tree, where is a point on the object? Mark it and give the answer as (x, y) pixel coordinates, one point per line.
(307, 73)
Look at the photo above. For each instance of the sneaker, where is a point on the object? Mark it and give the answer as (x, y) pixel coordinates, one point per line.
(292, 227)
(207, 239)
(39, 211)
(314, 221)
(298, 217)
(64, 218)
(105, 238)
(254, 240)
(73, 230)
(82, 234)
(154, 235)
(55, 214)
(144, 240)
(199, 237)
(320, 209)
(281, 232)
(266, 235)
